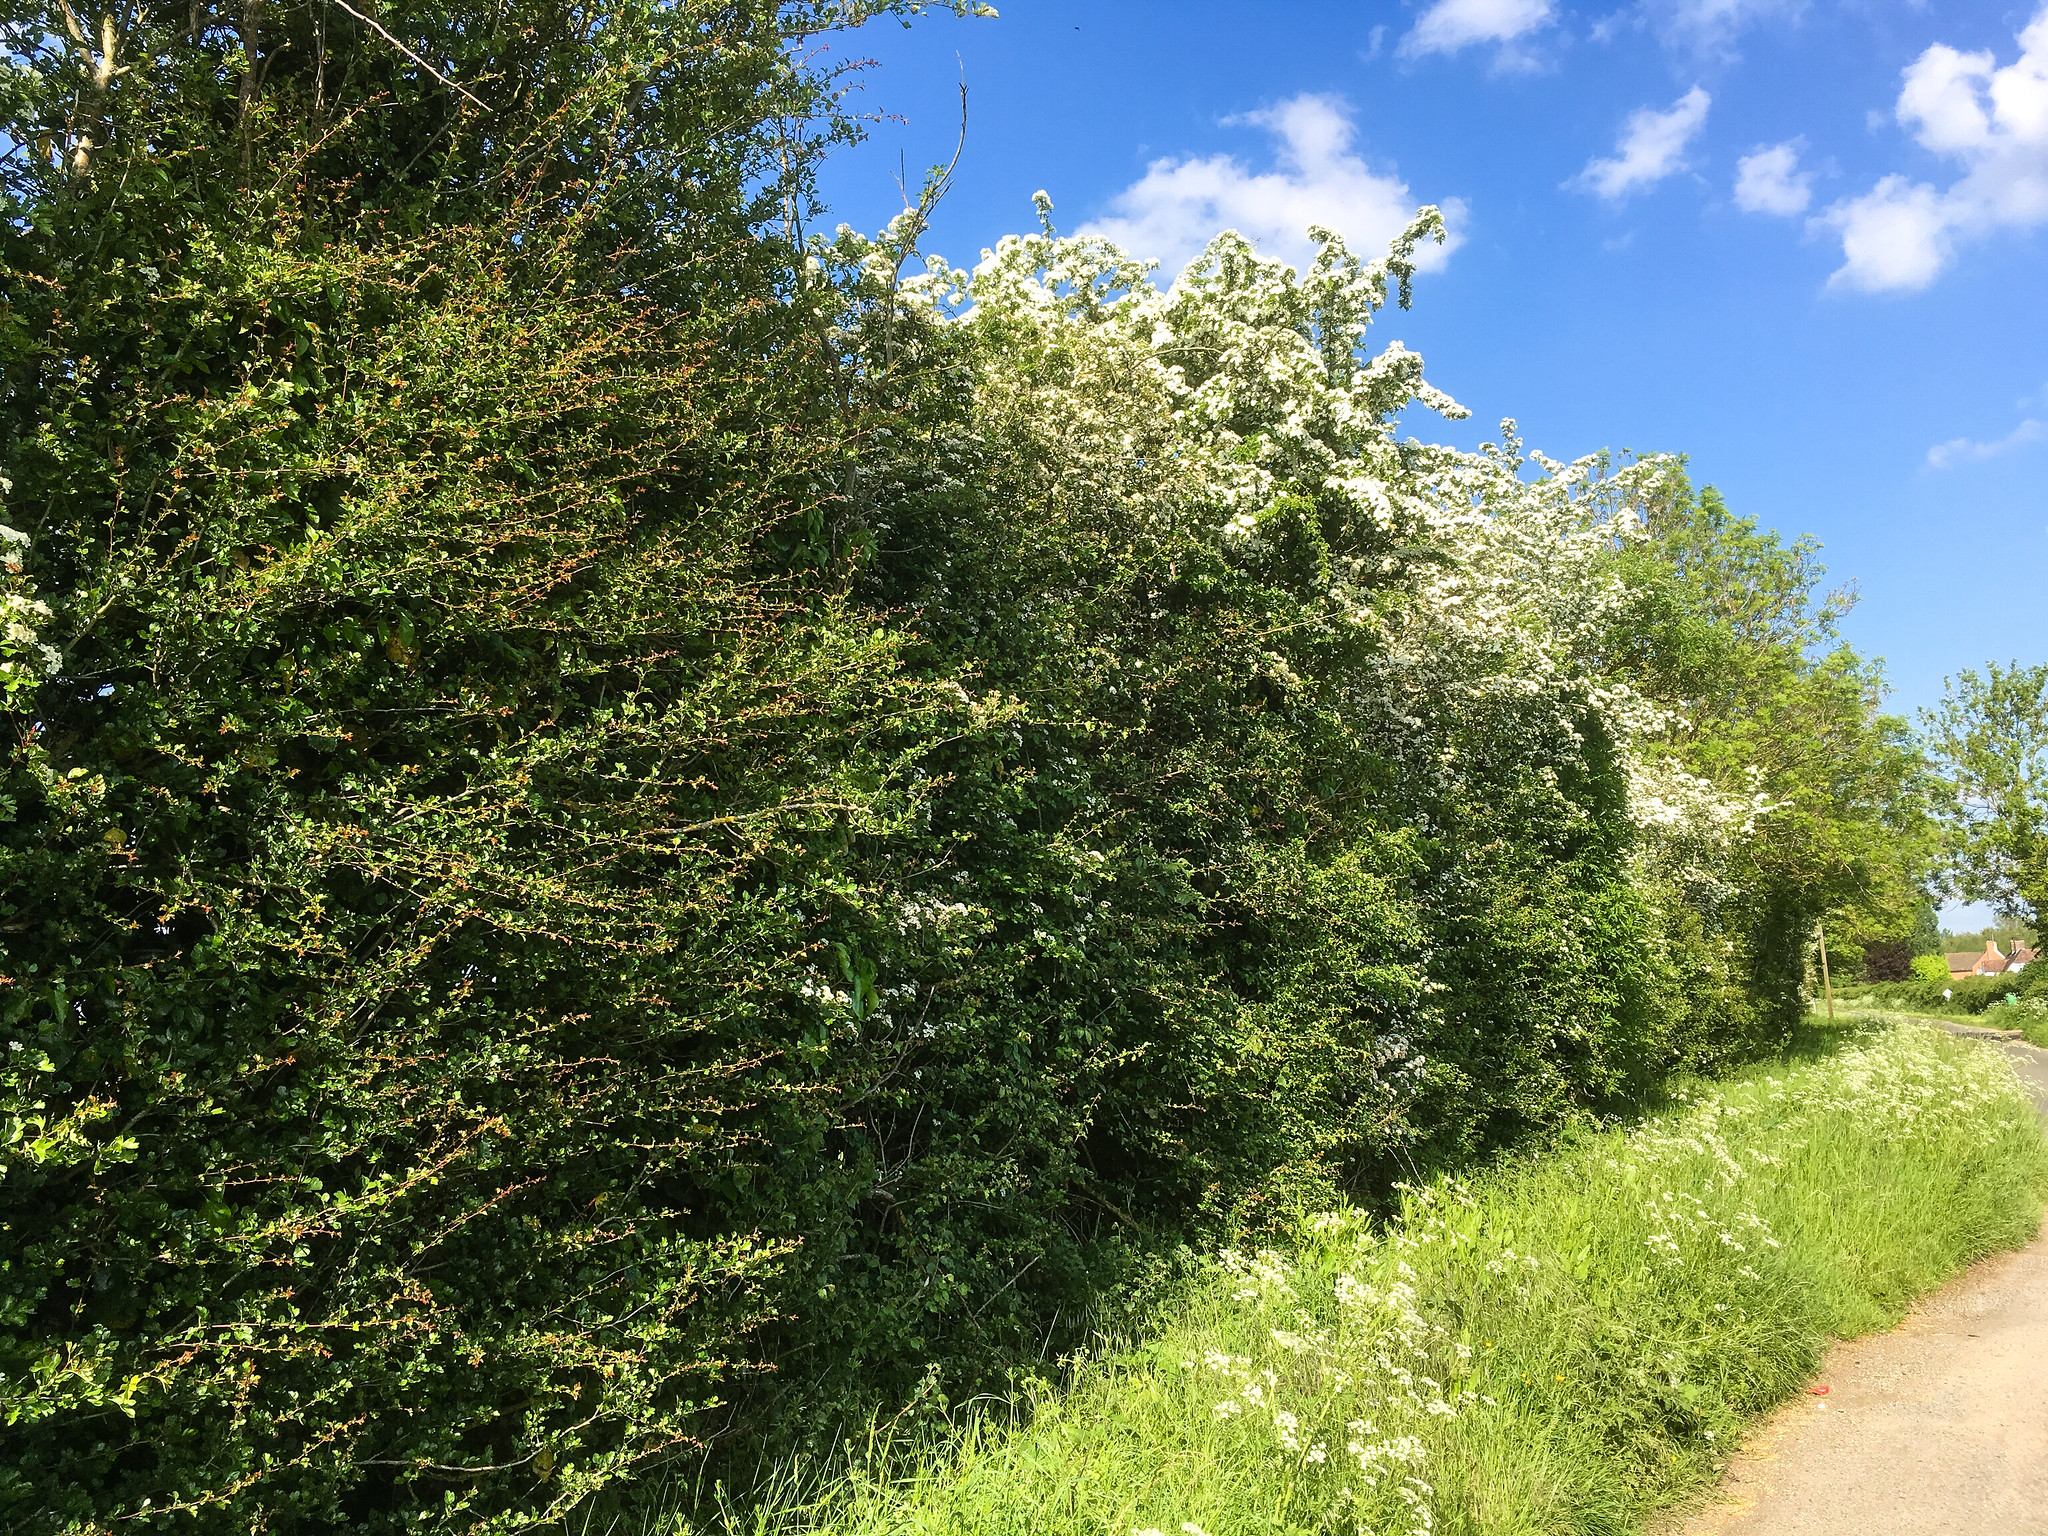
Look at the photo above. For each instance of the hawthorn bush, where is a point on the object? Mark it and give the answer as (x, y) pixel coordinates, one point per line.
(451, 750)
(627, 835)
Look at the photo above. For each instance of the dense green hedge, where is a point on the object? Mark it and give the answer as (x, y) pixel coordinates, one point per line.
(1971, 995)
(409, 870)
(626, 853)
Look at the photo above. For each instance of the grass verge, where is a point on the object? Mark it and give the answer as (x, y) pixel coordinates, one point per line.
(1569, 1343)
(2029, 1018)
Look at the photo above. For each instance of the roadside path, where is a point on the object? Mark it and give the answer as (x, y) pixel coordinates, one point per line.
(1938, 1428)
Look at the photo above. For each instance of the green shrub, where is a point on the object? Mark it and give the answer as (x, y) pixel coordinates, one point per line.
(415, 863)
(1970, 996)
(1932, 969)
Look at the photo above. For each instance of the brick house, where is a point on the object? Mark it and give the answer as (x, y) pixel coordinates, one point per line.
(1991, 963)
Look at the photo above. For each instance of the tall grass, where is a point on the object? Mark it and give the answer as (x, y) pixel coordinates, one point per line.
(2031, 1020)
(1568, 1343)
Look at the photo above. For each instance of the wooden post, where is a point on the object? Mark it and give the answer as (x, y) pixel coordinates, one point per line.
(1827, 986)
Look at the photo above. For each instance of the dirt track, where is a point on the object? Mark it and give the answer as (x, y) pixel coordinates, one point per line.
(1938, 1427)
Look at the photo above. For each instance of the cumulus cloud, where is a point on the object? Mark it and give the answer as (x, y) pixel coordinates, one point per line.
(1177, 206)
(1770, 181)
(1652, 146)
(1451, 25)
(1964, 450)
(1895, 237)
(1990, 119)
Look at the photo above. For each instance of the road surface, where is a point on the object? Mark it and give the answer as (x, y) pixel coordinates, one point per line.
(1938, 1428)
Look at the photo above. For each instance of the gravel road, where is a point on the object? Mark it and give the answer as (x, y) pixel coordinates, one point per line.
(1938, 1427)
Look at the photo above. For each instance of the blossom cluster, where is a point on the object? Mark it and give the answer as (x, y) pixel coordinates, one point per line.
(1354, 1368)
(26, 658)
(1220, 403)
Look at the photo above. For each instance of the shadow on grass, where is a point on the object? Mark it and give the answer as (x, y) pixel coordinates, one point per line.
(1566, 1342)
(1614, 1374)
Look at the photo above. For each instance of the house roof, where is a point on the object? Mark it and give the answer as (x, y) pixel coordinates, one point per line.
(1988, 963)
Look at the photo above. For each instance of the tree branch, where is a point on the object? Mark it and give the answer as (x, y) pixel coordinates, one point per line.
(378, 28)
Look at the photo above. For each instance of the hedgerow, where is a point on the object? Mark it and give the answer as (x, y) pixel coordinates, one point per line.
(1970, 995)
(626, 835)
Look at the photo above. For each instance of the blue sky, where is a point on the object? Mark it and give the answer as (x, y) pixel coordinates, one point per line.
(1805, 244)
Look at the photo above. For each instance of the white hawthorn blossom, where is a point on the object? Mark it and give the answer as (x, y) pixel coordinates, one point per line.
(1215, 406)
(25, 657)
(1246, 383)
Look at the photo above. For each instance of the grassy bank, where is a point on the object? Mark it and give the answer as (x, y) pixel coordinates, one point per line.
(1567, 1344)
(2029, 1017)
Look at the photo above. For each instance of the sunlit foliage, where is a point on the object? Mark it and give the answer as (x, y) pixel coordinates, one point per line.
(628, 833)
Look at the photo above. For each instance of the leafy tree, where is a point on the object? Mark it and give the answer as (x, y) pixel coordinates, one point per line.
(1732, 635)
(1927, 937)
(1887, 960)
(1989, 735)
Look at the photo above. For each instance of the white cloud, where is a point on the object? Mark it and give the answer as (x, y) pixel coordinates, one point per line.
(1177, 206)
(1770, 181)
(1963, 450)
(1895, 236)
(1711, 26)
(1705, 29)
(1652, 146)
(1993, 121)
(1450, 25)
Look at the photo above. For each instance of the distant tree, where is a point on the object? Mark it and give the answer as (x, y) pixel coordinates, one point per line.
(2004, 934)
(1734, 634)
(1888, 960)
(1928, 938)
(1930, 968)
(1989, 737)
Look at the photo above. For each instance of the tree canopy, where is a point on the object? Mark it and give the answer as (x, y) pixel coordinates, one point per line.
(1989, 735)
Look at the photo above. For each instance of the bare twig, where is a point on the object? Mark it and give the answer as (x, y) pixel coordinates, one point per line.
(937, 184)
(378, 28)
